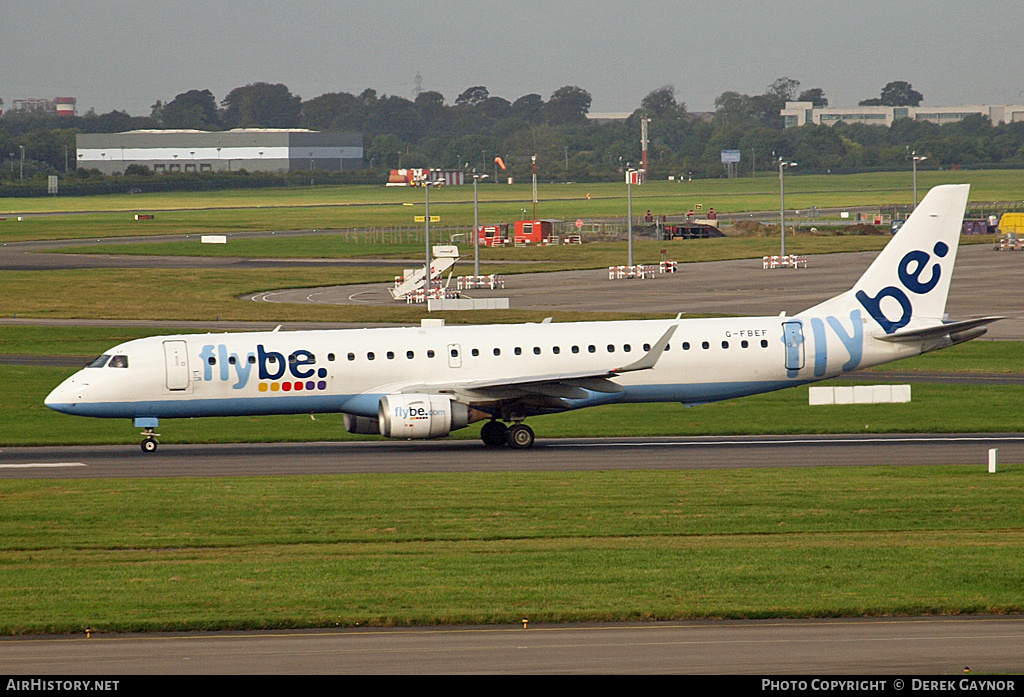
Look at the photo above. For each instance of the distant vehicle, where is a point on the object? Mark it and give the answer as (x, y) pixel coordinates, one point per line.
(426, 381)
(895, 226)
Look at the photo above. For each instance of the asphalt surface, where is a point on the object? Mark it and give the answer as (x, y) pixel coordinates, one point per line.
(985, 283)
(876, 647)
(561, 454)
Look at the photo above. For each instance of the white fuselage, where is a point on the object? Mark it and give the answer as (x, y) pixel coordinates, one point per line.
(349, 370)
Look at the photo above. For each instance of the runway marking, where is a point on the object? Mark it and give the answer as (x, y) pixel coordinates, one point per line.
(794, 441)
(43, 464)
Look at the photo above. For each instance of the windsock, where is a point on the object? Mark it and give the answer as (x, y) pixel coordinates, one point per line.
(500, 162)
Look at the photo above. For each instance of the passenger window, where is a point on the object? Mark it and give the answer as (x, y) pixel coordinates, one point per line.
(497, 352)
(555, 349)
(351, 356)
(611, 348)
(627, 348)
(592, 348)
(536, 350)
(252, 359)
(430, 353)
(330, 356)
(575, 349)
(476, 352)
(686, 345)
(518, 351)
(232, 360)
(118, 362)
(647, 347)
(410, 355)
(764, 343)
(705, 345)
(744, 344)
(725, 344)
(370, 356)
(391, 355)
(211, 360)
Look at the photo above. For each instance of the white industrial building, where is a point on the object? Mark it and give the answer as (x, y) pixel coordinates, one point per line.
(251, 149)
(801, 113)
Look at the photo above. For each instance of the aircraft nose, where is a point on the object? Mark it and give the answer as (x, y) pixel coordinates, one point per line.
(63, 397)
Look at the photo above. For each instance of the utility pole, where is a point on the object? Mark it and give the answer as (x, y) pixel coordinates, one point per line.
(534, 158)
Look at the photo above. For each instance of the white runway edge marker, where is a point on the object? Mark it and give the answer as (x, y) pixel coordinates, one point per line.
(28, 465)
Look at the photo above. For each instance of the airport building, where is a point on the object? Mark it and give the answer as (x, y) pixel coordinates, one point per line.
(251, 149)
(801, 113)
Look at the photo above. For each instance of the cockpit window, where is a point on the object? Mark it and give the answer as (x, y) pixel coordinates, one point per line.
(118, 362)
(99, 362)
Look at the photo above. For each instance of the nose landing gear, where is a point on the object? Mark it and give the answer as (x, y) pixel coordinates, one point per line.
(149, 442)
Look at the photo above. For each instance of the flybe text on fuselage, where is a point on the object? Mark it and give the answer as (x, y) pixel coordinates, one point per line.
(219, 364)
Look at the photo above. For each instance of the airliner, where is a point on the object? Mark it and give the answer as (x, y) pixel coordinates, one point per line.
(429, 380)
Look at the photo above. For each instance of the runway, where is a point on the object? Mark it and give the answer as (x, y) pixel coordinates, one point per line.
(547, 455)
(878, 647)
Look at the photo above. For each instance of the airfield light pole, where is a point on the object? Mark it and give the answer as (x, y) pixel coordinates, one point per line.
(476, 222)
(782, 202)
(21, 174)
(629, 212)
(534, 158)
(916, 160)
(426, 236)
(426, 218)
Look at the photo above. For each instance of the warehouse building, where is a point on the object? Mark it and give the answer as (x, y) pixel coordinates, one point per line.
(801, 113)
(251, 149)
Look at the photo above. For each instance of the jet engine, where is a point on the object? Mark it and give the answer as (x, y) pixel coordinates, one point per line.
(420, 416)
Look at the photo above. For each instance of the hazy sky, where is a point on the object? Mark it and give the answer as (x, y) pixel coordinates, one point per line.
(127, 54)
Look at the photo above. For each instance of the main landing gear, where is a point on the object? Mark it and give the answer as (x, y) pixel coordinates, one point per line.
(495, 434)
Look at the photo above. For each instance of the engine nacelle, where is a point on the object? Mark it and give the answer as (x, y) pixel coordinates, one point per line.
(420, 416)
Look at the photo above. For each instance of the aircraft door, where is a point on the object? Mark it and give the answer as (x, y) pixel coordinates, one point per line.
(176, 365)
(454, 356)
(794, 337)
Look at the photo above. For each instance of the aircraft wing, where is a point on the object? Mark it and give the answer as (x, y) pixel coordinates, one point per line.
(576, 385)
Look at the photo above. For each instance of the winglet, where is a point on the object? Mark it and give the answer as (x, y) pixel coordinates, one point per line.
(650, 359)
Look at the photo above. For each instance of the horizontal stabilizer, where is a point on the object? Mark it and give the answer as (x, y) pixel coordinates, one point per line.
(937, 331)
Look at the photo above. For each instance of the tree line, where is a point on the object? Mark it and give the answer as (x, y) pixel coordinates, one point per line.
(477, 127)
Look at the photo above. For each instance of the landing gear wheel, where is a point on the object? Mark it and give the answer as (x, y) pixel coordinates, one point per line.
(493, 434)
(149, 445)
(520, 436)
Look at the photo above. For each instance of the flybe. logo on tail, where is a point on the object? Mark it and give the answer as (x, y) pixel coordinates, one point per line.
(911, 280)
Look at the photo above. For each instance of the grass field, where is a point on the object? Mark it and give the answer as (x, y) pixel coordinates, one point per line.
(349, 207)
(175, 554)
